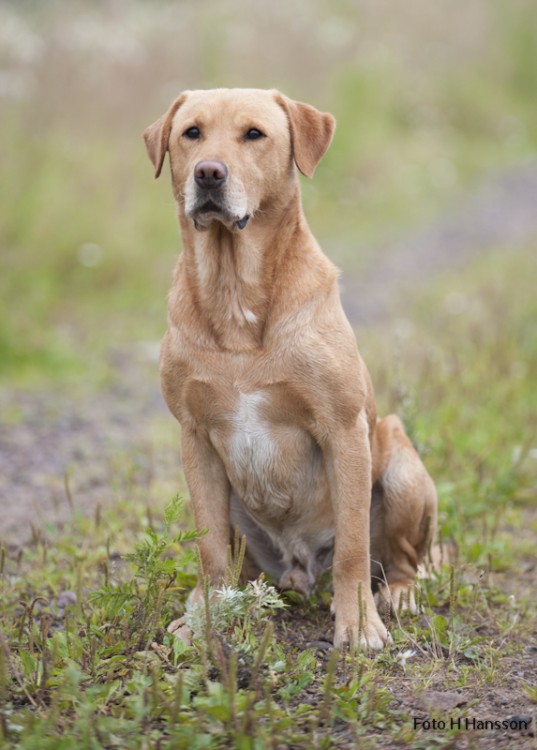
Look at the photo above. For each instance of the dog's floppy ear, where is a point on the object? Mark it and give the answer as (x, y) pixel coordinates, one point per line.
(156, 136)
(311, 132)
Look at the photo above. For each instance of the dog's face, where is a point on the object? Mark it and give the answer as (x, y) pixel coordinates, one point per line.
(228, 152)
(232, 150)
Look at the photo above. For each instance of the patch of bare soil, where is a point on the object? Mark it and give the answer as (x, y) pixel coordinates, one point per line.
(62, 453)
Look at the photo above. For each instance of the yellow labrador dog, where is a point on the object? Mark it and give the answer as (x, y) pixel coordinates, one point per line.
(259, 364)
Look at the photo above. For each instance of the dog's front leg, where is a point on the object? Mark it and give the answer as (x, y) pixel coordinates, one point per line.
(348, 463)
(210, 496)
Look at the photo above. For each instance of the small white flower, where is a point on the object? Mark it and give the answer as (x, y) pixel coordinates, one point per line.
(404, 656)
(229, 595)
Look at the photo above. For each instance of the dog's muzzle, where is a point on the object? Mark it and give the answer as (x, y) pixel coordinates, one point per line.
(210, 178)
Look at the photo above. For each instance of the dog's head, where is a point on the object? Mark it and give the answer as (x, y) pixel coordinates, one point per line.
(232, 150)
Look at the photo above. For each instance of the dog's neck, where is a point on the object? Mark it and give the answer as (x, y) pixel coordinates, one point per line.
(228, 269)
(238, 284)
(233, 274)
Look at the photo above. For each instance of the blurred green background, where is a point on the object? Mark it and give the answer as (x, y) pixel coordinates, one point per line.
(431, 98)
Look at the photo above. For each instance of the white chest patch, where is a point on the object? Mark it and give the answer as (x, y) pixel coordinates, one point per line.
(252, 449)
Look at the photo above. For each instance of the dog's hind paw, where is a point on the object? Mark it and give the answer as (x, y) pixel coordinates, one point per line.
(400, 597)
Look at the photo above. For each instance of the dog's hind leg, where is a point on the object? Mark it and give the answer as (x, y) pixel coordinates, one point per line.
(403, 514)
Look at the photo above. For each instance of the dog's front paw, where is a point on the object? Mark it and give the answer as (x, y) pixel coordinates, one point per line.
(371, 633)
(399, 597)
(181, 630)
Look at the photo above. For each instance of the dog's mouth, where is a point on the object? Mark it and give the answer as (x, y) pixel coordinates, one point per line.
(204, 214)
(210, 207)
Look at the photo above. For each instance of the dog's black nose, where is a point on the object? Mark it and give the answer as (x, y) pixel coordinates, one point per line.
(210, 174)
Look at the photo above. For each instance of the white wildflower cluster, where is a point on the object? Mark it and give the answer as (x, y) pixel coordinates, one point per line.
(229, 605)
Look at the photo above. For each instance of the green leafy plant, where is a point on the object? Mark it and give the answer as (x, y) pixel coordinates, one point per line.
(159, 562)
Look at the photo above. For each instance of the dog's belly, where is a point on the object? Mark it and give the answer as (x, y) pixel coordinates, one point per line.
(276, 471)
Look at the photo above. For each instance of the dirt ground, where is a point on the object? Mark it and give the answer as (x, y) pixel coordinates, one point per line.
(493, 702)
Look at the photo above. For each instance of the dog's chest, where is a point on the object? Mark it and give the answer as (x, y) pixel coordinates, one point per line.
(272, 464)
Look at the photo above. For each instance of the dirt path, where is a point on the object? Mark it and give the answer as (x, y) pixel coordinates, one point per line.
(502, 213)
(93, 439)
(46, 435)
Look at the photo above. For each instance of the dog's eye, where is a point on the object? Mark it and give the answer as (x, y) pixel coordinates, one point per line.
(254, 134)
(192, 134)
